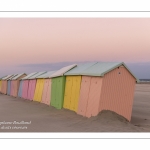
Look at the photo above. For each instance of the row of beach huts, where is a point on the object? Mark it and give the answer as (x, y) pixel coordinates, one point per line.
(86, 89)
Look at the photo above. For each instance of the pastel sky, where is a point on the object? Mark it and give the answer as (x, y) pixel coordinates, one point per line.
(30, 43)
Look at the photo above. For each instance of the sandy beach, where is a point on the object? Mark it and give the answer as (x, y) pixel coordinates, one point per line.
(20, 115)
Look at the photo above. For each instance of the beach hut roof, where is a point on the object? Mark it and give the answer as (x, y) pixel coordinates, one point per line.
(46, 75)
(101, 68)
(12, 77)
(37, 74)
(7, 77)
(18, 76)
(62, 71)
(77, 70)
(2, 77)
(29, 75)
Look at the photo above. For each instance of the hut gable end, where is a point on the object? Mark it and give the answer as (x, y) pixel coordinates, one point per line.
(117, 92)
(21, 77)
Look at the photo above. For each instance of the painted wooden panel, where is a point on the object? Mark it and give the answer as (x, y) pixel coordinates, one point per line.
(20, 89)
(75, 93)
(4, 87)
(18, 82)
(60, 90)
(16, 87)
(67, 95)
(12, 88)
(44, 91)
(41, 86)
(25, 89)
(46, 96)
(53, 91)
(8, 87)
(118, 92)
(84, 94)
(31, 90)
(94, 97)
(36, 90)
(39, 90)
(72, 90)
(57, 95)
(0, 85)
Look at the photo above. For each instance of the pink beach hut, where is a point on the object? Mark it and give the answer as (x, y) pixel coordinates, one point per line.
(46, 91)
(32, 85)
(15, 84)
(25, 85)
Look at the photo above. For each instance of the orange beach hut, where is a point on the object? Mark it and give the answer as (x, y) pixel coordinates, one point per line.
(106, 86)
(4, 84)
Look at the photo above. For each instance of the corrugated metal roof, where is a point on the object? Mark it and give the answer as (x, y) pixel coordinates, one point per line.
(18, 76)
(46, 75)
(77, 70)
(29, 75)
(2, 77)
(7, 77)
(12, 76)
(101, 68)
(62, 71)
(37, 74)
